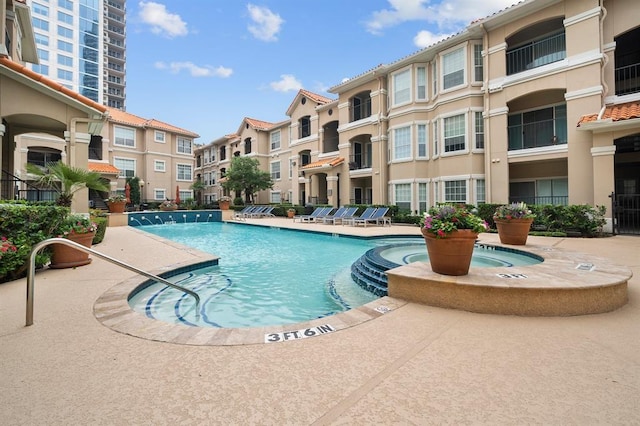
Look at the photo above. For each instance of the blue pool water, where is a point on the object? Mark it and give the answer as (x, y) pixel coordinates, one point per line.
(265, 276)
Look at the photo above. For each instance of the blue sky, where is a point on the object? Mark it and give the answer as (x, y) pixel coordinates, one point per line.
(204, 65)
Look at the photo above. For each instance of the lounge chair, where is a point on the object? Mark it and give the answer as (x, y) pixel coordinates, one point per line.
(314, 213)
(377, 217)
(264, 212)
(367, 213)
(257, 212)
(328, 218)
(335, 218)
(244, 212)
(323, 213)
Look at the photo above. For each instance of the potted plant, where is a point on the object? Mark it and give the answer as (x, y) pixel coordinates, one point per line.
(168, 205)
(117, 203)
(291, 212)
(450, 232)
(513, 222)
(224, 202)
(77, 228)
(66, 180)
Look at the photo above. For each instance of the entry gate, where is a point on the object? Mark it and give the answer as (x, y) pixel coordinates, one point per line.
(626, 213)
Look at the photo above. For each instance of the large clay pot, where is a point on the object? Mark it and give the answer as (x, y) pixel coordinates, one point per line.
(224, 205)
(64, 256)
(513, 231)
(117, 206)
(451, 255)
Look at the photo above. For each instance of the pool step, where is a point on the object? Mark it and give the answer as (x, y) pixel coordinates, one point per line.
(369, 272)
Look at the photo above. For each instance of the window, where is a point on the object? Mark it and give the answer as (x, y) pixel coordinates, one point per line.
(184, 145)
(65, 46)
(186, 195)
(40, 9)
(65, 75)
(41, 39)
(421, 83)
(65, 60)
(304, 126)
(41, 69)
(453, 69)
(43, 55)
(402, 143)
(403, 196)
(480, 191)
(126, 166)
(402, 87)
(275, 140)
(455, 191)
(40, 24)
(421, 131)
(158, 136)
(538, 128)
(479, 126)
(477, 63)
(159, 194)
(159, 166)
(65, 4)
(436, 148)
(65, 32)
(276, 197)
(422, 197)
(65, 18)
(184, 172)
(275, 170)
(290, 168)
(434, 78)
(454, 133)
(43, 156)
(124, 137)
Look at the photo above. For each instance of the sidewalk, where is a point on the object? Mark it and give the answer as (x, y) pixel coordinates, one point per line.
(414, 365)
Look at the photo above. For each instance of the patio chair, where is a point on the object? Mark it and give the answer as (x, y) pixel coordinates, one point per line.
(243, 213)
(329, 217)
(335, 218)
(377, 217)
(265, 212)
(314, 213)
(367, 213)
(323, 213)
(257, 212)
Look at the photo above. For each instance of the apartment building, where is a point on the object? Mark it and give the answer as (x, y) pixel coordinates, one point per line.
(82, 45)
(539, 102)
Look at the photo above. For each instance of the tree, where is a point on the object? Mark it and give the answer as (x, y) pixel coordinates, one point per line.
(244, 175)
(66, 180)
(198, 188)
(134, 187)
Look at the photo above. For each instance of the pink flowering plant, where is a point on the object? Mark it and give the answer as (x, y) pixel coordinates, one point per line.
(75, 224)
(6, 246)
(513, 211)
(443, 219)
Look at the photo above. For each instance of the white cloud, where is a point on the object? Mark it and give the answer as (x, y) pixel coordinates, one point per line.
(162, 22)
(266, 24)
(427, 38)
(444, 15)
(195, 70)
(287, 83)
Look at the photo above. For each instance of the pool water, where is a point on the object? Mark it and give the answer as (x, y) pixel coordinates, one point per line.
(265, 276)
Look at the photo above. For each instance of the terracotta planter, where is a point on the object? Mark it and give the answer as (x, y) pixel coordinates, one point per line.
(168, 208)
(68, 257)
(513, 231)
(451, 255)
(117, 206)
(291, 214)
(224, 205)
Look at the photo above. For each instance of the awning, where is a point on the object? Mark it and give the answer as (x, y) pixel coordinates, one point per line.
(325, 163)
(610, 115)
(103, 168)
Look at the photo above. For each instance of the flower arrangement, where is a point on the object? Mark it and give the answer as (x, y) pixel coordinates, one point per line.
(117, 198)
(6, 246)
(443, 219)
(513, 211)
(225, 198)
(168, 205)
(75, 224)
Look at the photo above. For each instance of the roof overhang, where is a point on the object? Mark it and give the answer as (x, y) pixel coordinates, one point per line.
(103, 168)
(608, 125)
(323, 164)
(28, 42)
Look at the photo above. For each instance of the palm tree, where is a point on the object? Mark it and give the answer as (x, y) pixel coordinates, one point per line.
(66, 180)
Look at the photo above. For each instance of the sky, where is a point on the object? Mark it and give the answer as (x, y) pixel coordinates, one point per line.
(204, 65)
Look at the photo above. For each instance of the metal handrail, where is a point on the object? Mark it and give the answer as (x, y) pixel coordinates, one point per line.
(32, 272)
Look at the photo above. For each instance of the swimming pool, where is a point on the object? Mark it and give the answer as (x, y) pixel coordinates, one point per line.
(265, 276)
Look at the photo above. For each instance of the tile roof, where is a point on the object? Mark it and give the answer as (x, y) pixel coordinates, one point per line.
(315, 97)
(103, 168)
(15, 66)
(614, 113)
(324, 163)
(258, 124)
(122, 117)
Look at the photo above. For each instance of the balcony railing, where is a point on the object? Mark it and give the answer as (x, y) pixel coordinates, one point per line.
(357, 162)
(627, 79)
(538, 134)
(536, 54)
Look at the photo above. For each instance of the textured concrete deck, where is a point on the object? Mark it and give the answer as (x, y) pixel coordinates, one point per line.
(412, 365)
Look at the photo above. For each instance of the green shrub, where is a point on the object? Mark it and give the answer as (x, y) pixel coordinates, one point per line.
(102, 229)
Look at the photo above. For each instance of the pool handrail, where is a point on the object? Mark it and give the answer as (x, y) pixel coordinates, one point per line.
(32, 272)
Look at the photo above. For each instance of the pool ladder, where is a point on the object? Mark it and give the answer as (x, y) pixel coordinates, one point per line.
(31, 273)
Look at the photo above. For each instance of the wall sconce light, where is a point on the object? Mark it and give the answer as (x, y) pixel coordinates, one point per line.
(293, 164)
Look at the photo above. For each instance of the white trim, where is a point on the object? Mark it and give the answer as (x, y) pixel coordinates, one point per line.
(497, 48)
(609, 47)
(584, 93)
(498, 111)
(587, 14)
(600, 151)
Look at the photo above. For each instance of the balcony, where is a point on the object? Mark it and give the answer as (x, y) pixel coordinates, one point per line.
(627, 79)
(357, 162)
(536, 54)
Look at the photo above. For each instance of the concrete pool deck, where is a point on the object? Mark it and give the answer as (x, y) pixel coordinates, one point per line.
(415, 364)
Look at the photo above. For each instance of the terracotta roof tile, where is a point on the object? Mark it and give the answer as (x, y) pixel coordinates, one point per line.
(614, 113)
(50, 83)
(103, 168)
(324, 163)
(315, 97)
(122, 117)
(258, 124)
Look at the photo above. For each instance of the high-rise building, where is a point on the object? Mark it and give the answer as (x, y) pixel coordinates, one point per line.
(81, 44)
